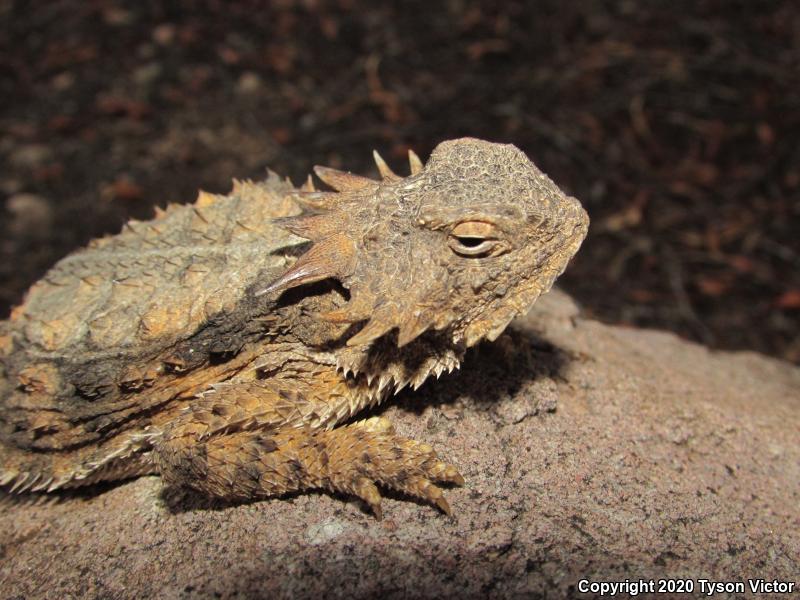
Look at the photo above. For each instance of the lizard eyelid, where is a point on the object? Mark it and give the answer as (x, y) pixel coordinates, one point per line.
(475, 229)
(473, 239)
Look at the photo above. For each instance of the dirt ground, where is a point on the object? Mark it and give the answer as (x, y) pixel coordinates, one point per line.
(675, 123)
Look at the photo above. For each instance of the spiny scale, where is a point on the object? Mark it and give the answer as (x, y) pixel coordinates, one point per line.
(180, 373)
(374, 329)
(308, 186)
(415, 162)
(333, 251)
(383, 168)
(343, 181)
(311, 227)
(412, 328)
(316, 200)
(330, 257)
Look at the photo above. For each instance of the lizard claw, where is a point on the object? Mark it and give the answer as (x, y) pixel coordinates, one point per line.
(376, 454)
(368, 492)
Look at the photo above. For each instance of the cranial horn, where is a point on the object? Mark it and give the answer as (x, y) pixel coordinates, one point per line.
(342, 181)
(383, 168)
(330, 257)
(414, 162)
(316, 200)
(311, 227)
(308, 186)
(374, 329)
(359, 308)
(412, 328)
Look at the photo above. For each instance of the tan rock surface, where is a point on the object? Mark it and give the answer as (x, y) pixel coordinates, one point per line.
(590, 451)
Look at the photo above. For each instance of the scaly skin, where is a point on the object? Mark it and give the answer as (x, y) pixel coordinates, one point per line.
(215, 346)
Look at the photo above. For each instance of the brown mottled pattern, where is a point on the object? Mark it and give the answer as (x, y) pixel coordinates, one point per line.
(198, 346)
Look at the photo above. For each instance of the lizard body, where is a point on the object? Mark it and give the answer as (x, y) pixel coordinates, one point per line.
(222, 344)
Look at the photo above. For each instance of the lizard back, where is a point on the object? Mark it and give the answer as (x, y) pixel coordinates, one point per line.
(99, 343)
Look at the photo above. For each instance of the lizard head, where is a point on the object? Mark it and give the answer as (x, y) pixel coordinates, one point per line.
(460, 247)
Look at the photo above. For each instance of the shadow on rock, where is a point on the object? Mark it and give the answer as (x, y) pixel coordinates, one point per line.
(518, 361)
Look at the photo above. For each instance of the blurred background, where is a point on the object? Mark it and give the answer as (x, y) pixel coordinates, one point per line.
(676, 123)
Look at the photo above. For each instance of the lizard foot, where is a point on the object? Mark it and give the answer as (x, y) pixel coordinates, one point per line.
(369, 452)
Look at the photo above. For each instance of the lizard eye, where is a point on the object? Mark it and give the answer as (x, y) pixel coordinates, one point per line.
(474, 239)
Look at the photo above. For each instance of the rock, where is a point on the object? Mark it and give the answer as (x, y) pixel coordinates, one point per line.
(661, 459)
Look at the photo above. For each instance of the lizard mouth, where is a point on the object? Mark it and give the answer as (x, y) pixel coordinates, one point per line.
(539, 282)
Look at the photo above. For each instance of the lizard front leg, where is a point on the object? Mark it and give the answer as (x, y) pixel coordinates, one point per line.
(266, 438)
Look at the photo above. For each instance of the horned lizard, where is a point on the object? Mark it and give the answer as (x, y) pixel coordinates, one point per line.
(226, 344)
